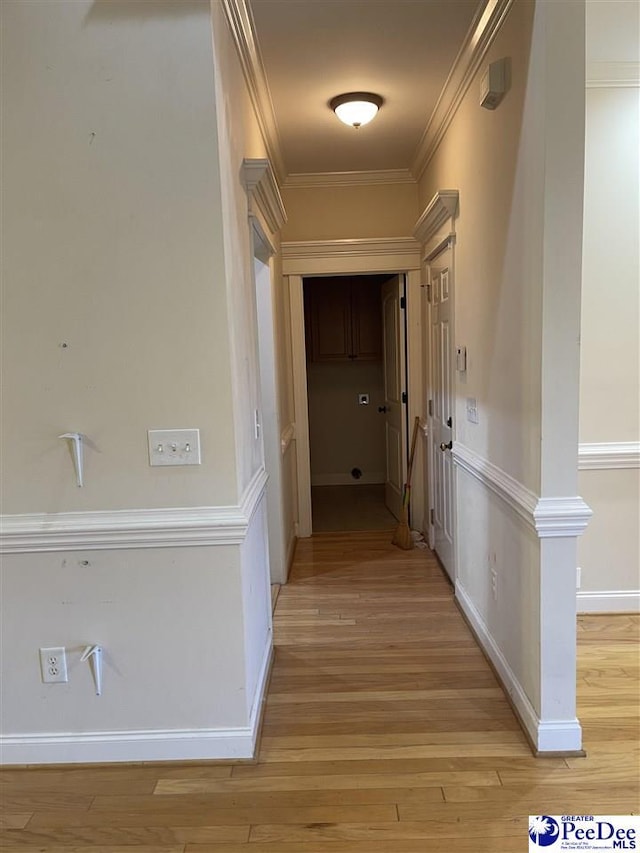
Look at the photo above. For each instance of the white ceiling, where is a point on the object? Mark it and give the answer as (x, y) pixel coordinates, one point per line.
(315, 49)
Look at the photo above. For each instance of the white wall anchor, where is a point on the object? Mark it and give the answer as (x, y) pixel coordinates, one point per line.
(94, 655)
(77, 449)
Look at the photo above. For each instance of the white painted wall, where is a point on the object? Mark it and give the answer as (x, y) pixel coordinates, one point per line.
(609, 553)
(126, 237)
(158, 612)
(344, 434)
(350, 212)
(519, 173)
(112, 245)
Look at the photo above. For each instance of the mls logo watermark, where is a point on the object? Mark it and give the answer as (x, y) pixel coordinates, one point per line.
(583, 832)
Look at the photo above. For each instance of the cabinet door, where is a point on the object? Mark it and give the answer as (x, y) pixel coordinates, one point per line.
(366, 320)
(330, 321)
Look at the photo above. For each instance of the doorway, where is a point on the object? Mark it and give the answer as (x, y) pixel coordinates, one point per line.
(338, 258)
(357, 401)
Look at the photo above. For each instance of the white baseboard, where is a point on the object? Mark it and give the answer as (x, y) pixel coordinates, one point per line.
(609, 601)
(127, 746)
(547, 736)
(144, 745)
(374, 478)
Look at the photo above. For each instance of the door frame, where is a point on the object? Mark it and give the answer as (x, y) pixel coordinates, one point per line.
(344, 257)
(436, 231)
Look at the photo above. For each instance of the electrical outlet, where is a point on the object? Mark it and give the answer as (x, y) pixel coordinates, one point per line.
(494, 584)
(472, 410)
(53, 663)
(578, 577)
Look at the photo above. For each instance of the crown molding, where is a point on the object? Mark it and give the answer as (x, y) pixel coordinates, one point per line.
(548, 517)
(480, 36)
(263, 192)
(240, 20)
(348, 179)
(442, 207)
(609, 455)
(613, 75)
(132, 528)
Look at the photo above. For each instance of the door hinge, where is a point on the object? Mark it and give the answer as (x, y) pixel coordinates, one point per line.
(432, 516)
(428, 293)
(404, 396)
(403, 302)
(430, 409)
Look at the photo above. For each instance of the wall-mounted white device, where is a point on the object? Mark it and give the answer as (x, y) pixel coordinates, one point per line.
(493, 84)
(76, 440)
(461, 359)
(93, 654)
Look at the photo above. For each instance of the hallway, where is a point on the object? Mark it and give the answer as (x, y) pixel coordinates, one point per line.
(385, 732)
(339, 508)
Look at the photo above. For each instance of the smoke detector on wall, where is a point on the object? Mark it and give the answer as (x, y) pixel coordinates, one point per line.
(493, 84)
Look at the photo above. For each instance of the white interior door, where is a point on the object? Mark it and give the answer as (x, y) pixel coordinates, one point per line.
(441, 410)
(395, 392)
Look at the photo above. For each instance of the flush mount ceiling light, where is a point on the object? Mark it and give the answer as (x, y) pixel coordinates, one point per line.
(356, 108)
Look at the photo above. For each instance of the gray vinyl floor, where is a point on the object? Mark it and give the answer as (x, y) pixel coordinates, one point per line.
(337, 508)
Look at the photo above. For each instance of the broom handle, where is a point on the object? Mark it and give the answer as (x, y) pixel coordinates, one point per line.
(414, 438)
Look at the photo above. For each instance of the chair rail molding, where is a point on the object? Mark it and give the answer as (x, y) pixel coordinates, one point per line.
(605, 456)
(613, 75)
(133, 528)
(547, 517)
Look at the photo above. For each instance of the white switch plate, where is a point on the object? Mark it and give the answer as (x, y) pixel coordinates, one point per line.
(174, 446)
(472, 410)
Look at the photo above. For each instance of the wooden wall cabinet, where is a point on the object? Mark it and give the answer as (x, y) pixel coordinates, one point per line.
(343, 320)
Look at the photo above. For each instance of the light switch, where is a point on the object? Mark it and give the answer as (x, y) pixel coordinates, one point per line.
(174, 446)
(472, 410)
(363, 399)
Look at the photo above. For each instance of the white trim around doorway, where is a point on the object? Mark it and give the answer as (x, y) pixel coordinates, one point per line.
(344, 257)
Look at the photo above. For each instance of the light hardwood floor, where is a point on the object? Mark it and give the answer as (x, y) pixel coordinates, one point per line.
(385, 730)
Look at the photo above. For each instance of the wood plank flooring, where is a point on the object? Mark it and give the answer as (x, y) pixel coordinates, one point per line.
(385, 732)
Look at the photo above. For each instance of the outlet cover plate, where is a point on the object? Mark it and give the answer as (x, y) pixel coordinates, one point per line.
(53, 664)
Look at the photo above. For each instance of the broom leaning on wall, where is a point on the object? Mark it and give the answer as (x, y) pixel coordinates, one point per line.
(402, 536)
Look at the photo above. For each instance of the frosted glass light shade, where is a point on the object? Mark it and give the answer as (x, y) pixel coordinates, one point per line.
(356, 108)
